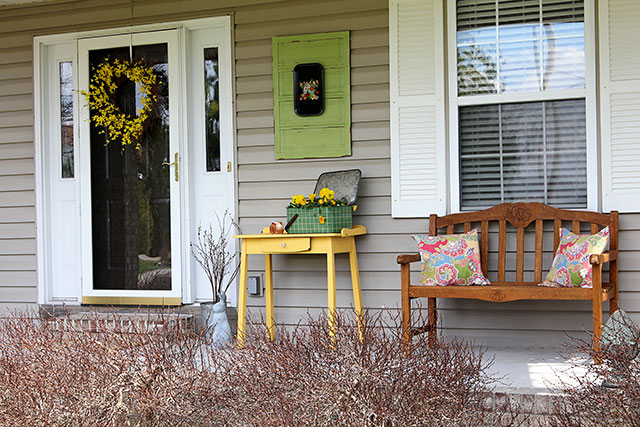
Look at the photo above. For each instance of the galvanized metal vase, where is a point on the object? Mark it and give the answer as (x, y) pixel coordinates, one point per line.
(215, 320)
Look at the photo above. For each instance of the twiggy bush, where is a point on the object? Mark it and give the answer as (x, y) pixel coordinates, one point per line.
(50, 375)
(55, 374)
(308, 379)
(586, 402)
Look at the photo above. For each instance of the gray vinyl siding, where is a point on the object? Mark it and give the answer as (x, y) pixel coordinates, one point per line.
(265, 185)
(18, 277)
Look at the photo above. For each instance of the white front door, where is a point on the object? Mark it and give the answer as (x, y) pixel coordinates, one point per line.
(115, 223)
(130, 198)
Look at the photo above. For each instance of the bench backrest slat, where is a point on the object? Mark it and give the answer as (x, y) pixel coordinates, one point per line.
(520, 216)
(484, 245)
(538, 266)
(502, 250)
(433, 225)
(576, 227)
(557, 224)
(520, 255)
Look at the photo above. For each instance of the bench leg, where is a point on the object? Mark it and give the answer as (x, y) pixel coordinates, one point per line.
(406, 304)
(613, 303)
(597, 310)
(597, 328)
(432, 321)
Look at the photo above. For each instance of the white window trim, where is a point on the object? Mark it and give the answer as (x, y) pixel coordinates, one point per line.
(589, 93)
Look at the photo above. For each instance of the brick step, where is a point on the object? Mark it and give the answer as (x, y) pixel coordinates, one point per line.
(122, 321)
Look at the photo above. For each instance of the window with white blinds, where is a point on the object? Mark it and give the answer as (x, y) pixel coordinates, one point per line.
(521, 102)
(532, 151)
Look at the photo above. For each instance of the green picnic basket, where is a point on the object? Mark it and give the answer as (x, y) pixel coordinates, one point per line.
(320, 220)
(345, 185)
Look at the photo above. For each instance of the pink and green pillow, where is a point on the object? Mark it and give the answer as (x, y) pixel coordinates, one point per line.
(571, 267)
(450, 260)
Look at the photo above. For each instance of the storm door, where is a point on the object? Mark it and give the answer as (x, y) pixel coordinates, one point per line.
(131, 205)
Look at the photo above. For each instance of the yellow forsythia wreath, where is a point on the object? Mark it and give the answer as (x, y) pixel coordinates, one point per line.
(107, 77)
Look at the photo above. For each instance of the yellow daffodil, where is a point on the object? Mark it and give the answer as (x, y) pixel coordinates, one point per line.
(321, 219)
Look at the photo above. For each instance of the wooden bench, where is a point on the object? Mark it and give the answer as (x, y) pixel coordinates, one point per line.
(520, 216)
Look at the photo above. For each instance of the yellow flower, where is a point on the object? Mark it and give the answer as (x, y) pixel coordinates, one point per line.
(298, 199)
(321, 201)
(324, 192)
(102, 87)
(312, 197)
(321, 219)
(330, 194)
(333, 202)
(355, 207)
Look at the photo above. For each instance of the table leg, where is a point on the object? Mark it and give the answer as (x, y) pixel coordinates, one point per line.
(242, 296)
(331, 288)
(355, 284)
(268, 295)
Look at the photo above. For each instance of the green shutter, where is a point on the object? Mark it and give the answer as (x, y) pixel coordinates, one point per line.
(326, 135)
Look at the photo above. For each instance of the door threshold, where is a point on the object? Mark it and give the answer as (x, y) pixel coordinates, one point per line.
(160, 301)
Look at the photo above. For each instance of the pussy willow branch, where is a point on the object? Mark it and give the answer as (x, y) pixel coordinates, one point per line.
(212, 254)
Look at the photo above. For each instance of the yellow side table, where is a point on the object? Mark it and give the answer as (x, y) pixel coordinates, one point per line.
(321, 243)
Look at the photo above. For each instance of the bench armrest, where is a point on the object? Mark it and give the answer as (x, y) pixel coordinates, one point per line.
(408, 259)
(602, 258)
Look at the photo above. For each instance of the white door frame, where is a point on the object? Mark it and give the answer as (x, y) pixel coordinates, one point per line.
(188, 288)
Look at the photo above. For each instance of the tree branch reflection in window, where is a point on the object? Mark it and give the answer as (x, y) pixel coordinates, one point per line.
(212, 109)
(66, 118)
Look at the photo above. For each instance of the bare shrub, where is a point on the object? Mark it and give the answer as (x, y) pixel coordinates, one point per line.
(52, 373)
(587, 401)
(167, 376)
(307, 379)
(211, 252)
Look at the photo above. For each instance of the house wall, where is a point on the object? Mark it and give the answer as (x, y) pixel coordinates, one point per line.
(265, 185)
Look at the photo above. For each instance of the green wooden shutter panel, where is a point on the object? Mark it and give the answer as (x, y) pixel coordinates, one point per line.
(326, 135)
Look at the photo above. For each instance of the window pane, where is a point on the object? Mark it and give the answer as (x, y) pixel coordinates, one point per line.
(66, 118)
(519, 45)
(130, 188)
(533, 151)
(212, 109)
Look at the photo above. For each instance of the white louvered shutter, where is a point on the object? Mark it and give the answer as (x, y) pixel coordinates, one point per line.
(620, 104)
(418, 151)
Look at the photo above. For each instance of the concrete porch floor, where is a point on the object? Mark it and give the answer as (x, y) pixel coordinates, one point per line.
(531, 379)
(535, 370)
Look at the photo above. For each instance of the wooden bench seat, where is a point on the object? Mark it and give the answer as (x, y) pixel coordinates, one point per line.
(520, 216)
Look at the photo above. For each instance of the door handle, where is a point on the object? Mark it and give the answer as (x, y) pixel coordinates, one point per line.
(176, 165)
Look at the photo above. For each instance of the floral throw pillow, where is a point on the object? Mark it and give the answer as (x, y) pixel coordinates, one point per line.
(571, 267)
(450, 260)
